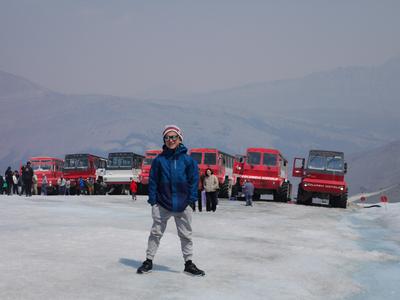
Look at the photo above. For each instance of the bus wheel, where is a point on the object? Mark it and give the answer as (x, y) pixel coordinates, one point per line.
(224, 191)
(303, 197)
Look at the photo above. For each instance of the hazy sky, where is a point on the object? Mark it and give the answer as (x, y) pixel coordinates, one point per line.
(164, 48)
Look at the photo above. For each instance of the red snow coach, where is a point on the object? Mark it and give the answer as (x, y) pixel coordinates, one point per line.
(267, 170)
(220, 163)
(322, 179)
(82, 165)
(51, 167)
(149, 156)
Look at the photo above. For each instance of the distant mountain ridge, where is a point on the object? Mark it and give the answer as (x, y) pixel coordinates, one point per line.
(375, 169)
(347, 109)
(340, 81)
(16, 86)
(362, 102)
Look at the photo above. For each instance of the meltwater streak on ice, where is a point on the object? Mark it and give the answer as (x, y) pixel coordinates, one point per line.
(379, 280)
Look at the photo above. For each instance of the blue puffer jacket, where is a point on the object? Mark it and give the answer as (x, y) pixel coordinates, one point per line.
(173, 180)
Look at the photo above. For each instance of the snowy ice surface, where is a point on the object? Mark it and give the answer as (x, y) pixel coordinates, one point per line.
(89, 247)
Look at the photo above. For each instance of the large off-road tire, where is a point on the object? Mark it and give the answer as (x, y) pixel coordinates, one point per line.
(235, 191)
(256, 196)
(339, 201)
(226, 190)
(342, 201)
(282, 194)
(333, 201)
(303, 197)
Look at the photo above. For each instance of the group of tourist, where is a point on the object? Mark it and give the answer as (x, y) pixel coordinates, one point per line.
(19, 184)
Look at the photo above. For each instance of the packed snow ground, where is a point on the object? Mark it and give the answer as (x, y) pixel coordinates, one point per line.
(90, 247)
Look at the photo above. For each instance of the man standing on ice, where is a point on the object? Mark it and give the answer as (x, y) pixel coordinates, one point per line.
(248, 189)
(173, 184)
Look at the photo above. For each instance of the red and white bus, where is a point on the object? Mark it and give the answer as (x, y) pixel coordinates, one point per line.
(52, 167)
(82, 165)
(220, 163)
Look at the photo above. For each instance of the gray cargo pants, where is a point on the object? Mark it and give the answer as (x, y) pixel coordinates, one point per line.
(183, 221)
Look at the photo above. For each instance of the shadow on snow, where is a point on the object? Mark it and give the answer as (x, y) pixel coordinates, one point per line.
(136, 264)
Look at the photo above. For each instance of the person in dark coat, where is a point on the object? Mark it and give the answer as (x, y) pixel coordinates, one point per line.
(173, 184)
(27, 175)
(1, 185)
(21, 181)
(9, 180)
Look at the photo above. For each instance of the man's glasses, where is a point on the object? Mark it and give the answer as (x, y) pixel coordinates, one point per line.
(171, 137)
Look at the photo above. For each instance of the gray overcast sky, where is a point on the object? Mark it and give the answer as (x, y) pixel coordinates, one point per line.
(155, 48)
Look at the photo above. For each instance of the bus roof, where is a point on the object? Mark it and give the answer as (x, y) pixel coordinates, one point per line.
(326, 152)
(210, 150)
(264, 150)
(267, 150)
(44, 158)
(83, 155)
(153, 151)
(123, 154)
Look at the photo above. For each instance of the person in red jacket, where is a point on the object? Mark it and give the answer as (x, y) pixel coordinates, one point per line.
(133, 189)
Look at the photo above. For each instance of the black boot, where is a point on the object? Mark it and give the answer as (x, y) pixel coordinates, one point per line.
(191, 269)
(145, 267)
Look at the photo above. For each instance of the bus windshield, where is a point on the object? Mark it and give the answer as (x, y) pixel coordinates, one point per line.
(326, 163)
(196, 156)
(269, 159)
(73, 163)
(254, 158)
(119, 162)
(41, 166)
(334, 163)
(210, 158)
